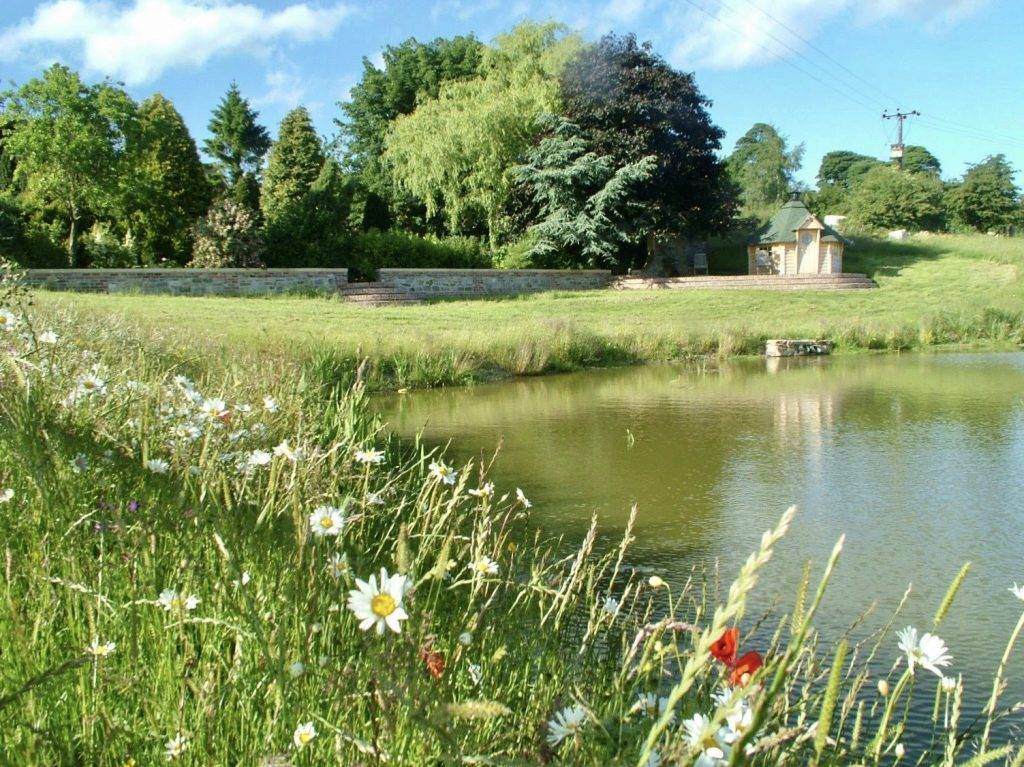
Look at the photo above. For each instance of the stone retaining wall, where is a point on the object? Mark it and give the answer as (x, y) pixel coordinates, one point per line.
(191, 282)
(455, 283)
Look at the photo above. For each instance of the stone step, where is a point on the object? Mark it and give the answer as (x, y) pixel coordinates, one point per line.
(375, 294)
(851, 281)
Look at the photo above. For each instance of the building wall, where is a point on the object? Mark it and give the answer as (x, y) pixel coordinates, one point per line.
(191, 282)
(785, 258)
(452, 283)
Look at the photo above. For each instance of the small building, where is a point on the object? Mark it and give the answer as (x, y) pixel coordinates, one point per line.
(796, 242)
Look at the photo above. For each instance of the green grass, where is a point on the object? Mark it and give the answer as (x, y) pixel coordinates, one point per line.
(93, 531)
(940, 290)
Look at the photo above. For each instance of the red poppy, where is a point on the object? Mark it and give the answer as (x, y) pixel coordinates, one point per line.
(434, 661)
(724, 648)
(745, 667)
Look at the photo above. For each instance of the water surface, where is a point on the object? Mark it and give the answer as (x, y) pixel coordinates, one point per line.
(917, 459)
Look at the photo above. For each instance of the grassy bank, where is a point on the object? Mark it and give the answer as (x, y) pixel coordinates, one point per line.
(935, 291)
(179, 561)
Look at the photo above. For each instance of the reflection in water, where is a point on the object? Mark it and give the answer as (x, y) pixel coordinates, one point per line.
(919, 460)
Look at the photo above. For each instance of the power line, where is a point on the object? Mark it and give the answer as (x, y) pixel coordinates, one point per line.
(822, 52)
(776, 54)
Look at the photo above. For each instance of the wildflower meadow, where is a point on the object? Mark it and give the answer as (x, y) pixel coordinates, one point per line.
(212, 562)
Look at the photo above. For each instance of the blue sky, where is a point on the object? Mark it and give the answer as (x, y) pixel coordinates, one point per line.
(821, 70)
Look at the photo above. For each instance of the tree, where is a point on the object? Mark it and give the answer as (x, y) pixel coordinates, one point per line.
(69, 141)
(455, 152)
(630, 105)
(311, 230)
(172, 191)
(917, 159)
(843, 168)
(886, 198)
(764, 168)
(589, 208)
(293, 164)
(228, 237)
(987, 198)
(237, 142)
(411, 72)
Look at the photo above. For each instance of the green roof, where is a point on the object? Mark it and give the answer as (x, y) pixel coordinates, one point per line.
(783, 226)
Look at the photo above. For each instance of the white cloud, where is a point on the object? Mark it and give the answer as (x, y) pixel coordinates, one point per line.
(285, 89)
(140, 41)
(735, 33)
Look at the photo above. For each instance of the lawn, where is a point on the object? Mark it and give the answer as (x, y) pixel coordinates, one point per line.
(935, 290)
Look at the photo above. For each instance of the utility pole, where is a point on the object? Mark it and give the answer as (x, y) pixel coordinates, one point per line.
(896, 150)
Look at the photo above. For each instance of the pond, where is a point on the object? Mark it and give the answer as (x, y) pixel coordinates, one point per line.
(917, 459)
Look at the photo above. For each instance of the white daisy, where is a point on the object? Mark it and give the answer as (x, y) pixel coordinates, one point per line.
(172, 601)
(521, 497)
(701, 739)
(379, 605)
(649, 704)
(484, 566)
(100, 649)
(483, 492)
(371, 456)
(7, 495)
(303, 734)
(91, 384)
(80, 463)
(476, 673)
(48, 337)
(158, 465)
(443, 472)
(1017, 591)
(337, 565)
(566, 723)
(175, 747)
(270, 405)
(8, 321)
(465, 639)
(326, 520)
(213, 409)
(929, 652)
(948, 684)
(284, 450)
(260, 458)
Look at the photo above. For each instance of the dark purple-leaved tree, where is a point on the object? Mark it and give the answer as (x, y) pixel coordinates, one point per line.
(630, 104)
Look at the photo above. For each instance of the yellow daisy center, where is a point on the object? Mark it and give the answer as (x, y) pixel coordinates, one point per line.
(383, 605)
(305, 737)
(326, 523)
(481, 567)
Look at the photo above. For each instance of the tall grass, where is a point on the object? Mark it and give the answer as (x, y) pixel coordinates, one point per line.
(128, 478)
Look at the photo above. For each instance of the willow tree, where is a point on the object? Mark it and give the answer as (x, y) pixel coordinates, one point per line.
(456, 152)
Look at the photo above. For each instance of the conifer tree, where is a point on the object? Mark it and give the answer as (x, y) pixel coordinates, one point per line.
(293, 165)
(172, 189)
(237, 142)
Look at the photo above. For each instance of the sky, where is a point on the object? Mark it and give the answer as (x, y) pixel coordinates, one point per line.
(822, 71)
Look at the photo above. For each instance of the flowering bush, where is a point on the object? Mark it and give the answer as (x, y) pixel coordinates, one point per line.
(233, 566)
(229, 236)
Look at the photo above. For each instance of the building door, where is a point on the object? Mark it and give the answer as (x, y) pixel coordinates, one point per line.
(807, 254)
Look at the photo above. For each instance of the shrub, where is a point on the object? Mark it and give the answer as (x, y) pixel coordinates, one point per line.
(24, 244)
(105, 250)
(366, 252)
(886, 198)
(229, 236)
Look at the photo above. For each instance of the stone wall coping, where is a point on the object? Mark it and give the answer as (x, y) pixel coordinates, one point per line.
(183, 271)
(434, 270)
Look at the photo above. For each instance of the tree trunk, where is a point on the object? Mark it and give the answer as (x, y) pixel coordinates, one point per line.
(71, 240)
